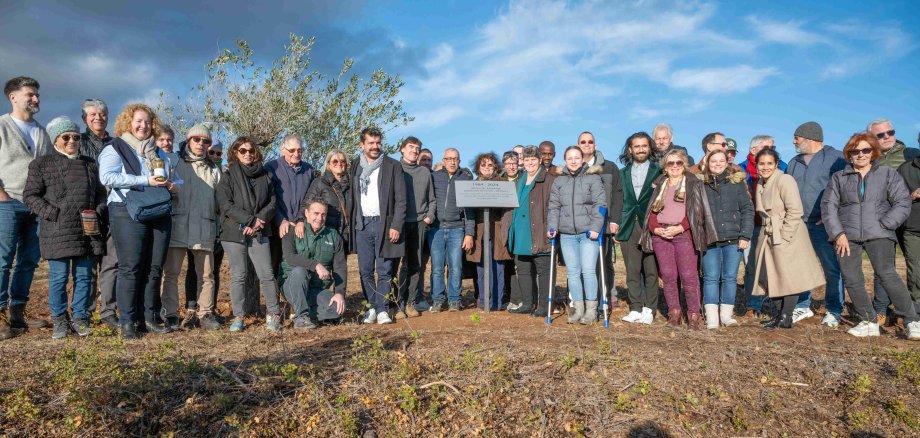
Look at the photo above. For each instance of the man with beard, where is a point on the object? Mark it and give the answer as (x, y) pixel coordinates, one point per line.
(21, 140)
(812, 168)
(664, 137)
(420, 213)
(610, 177)
(641, 169)
(379, 196)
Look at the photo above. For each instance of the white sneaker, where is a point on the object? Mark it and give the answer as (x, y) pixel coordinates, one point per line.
(370, 316)
(632, 316)
(913, 331)
(864, 329)
(513, 306)
(647, 316)
(830, 320)
(384, 318)
(801, 314)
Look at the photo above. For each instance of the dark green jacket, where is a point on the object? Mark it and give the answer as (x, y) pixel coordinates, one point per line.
(634, 207)
(323, 247)
(898, 155)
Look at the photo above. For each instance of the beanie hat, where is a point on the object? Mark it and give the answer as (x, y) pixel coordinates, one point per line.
(811, 131)
(732, 145)
(200, 130)
(60, 125)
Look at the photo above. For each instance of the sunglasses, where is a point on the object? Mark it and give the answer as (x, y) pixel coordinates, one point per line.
(486, 165)
(69, 137)
(201, 140)
(586, 142)
(294, 151)
(882, 135)
(242, 151)
(215, 153)
(336, 162)
(723, 144)
(675, 163)
(863, 151)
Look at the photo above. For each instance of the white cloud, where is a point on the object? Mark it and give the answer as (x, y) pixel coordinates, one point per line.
(667, 107)
(784, 32)
(720, 80)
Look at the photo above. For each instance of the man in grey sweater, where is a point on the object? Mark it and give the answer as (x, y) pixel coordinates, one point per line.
(21, 140)
(420, 213)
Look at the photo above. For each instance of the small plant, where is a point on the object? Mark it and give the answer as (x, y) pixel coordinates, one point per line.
(475, 319)
(909, 366)
(897, 410)
(622, 403)
(739, 420)
(569, 360)
(857, 419)
(690, 398)
(408, 397)
(643, 387)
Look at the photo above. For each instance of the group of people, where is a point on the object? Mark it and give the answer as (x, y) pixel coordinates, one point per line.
(119, 215)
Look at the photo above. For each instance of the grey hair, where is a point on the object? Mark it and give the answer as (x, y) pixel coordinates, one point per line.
(664, 126)
(291, 137)
(760, 138)
(95, 103)
(331, 154)
(451, 149)
(877, 122)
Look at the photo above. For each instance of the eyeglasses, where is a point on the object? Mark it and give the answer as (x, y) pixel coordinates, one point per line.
(294, 151)
(675, 163)
(242, 151)
(215, 153)
(69, 137)
(486, 165)
(723, 144)
(863, 151)
(769, 146)
(586, 142)
(882, 135)
(451, 159)
(336, 162)
(201, 140)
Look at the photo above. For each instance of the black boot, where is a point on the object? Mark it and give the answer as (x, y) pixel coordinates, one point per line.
(785, 322)
(18, 319)
(773, 322)
(129, 331)
(157, 327)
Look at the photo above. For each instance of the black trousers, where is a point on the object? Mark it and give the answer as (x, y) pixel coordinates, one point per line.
(529, 268)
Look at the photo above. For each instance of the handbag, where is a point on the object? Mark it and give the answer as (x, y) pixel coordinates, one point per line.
(143, 203)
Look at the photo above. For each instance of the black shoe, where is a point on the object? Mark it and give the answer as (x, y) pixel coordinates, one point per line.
(80, 326)
(61, 327)
(129, 331)
(523, 310)
(18, 320)
(785, 322)
(780, 320)
(539, 313)
(172, 322)
(111, 322)
(209, 322)
(156, 327)
(772, 322)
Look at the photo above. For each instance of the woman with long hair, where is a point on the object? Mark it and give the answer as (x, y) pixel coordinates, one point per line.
(486, 169)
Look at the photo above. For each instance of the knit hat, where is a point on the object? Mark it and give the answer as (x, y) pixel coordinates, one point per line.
(60, 125)
(200, 130)
(732, 145)
(811, 131)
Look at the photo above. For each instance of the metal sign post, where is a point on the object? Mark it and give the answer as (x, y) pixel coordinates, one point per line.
(486, 195)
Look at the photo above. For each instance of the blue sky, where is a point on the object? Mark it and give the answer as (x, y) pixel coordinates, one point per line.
(485, 76)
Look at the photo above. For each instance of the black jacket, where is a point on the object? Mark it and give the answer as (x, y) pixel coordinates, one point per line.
(233, 212)
(910, 171)
(58, 189)
(337, 195)
(610, 176)
(732, 212)
(392, 197)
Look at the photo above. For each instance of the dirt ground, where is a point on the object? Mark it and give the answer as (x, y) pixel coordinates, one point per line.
(464, 373)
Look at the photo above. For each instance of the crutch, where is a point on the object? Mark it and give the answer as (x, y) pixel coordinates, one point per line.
(600, 257)
(552, 268)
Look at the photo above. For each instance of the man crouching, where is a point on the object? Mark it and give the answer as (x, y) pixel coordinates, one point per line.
(313, 271)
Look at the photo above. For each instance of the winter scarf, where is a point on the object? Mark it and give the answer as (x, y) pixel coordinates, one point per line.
(72, 157)
(241, 175)
(680, 195)
(367, 169)
(145, 148)
(752, 169)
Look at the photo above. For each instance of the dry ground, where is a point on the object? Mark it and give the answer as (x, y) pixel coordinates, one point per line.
(462, 374)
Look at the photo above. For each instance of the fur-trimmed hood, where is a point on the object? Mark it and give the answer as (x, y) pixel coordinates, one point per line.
(735, 177)
(591, 170)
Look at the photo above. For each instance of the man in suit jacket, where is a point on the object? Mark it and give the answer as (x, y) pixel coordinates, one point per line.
(639, 171)
(379, 191)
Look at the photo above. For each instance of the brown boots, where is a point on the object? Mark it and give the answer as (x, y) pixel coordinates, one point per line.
(673, 318)
(693, 321)
(5, 332)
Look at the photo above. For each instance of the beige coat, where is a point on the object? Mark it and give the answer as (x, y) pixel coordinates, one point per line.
(786, 261)
(194, 209)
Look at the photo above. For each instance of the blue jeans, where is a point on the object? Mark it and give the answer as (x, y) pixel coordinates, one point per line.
(369, 243)
(59, 271)
(720, 274)
(833, 291)
(580, 255)
(754, 302)
(445, 247)
(19, 241)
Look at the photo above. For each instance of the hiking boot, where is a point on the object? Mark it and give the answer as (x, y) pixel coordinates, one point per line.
(400, 314)
(579, 312)
(208, 322)
(129, 331)
(5, 332)
(81, 327)
(18, 320)
(61, 327)
(801, 314)
(411, 311)
(157, 327)
(111, 322)
(191, 320)
(273, 322)
(384, 318)
(673, 318)
(304, 323)
(237, 325)
(590, 316)
(172, 323)
(453, 306)
(541, 312)
(864, 329)
(436, 306)
(693, 320)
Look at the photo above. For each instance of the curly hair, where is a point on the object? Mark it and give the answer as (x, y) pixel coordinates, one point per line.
(487, 156)
(123, 122)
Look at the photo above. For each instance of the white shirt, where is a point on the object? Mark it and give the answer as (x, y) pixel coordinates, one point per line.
(30, 130)
(639, 172)
(370, 202)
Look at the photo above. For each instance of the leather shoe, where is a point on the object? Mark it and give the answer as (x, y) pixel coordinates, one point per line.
(156, 327)
(129, 331)
(523, 310)
(673, 318)
(780, 320)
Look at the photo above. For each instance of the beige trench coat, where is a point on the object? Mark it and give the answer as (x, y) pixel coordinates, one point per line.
(194, 209)
(786, 261)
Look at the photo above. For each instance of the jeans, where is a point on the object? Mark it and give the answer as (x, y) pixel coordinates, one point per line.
(496, 280)
(141, 248)
(411, 278)
(754, 302)
(107, 270)
(369, 242)
(445, 247)
(720, 274)
(258, 251)
(530, 269)
(881, 255)
(833, 290)
(59, 271)
(19, 241)
(580, 254)
(677, 261)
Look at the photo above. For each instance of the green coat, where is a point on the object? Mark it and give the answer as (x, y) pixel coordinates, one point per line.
(323, 247)
(898, 155)
(634, 207)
